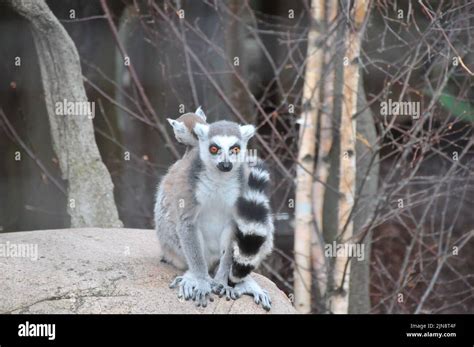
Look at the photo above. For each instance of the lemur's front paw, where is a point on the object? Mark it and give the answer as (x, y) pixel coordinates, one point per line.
(193, 287)
(221, 289)
(250, 287)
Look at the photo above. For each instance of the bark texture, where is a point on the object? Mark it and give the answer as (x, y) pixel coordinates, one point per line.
(90, 188)
(366, 186)
(306, 158)
(339, 300)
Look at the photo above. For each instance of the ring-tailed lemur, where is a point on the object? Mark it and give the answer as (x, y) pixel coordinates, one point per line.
(253, 202)
(211, 208)
(183, 126)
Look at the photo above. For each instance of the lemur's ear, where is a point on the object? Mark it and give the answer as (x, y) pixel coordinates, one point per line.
(247, 131)
(200, 113)
(177, 126)
(201, 130)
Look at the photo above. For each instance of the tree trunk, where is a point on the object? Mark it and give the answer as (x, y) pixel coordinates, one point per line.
(90, 188)
(338, 225)
(367, 183)
(306, 157)
(324, 140)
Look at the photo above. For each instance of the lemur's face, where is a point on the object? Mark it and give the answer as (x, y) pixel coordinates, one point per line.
(222, 145)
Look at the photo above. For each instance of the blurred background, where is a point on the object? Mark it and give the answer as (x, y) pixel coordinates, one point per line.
(272, 64)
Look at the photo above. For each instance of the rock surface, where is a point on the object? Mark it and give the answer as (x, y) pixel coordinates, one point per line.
(93, 270)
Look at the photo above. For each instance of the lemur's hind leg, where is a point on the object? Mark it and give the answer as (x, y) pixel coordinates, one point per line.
(169, 256)
(250, 287)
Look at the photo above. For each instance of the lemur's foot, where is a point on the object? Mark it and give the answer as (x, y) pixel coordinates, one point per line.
(250, 287)
(221, 288)
(193, 287)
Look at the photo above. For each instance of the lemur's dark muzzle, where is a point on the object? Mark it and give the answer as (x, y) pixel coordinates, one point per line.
(225, 166)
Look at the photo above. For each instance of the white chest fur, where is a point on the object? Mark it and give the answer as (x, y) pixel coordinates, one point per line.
(216, 195)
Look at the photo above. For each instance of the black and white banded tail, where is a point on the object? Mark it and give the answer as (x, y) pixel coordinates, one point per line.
(254, 224)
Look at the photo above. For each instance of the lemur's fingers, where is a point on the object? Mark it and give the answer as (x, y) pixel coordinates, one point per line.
(268, 297)
(225, 291)
(180, 292)
(204, 299)
(197, 296)
(201, 298)
(176, 281)
(188, 291)
(235, 294)
(218, 289)
(256, 298)
(266, 303)
(197, 299)
(221, 292)
(228, 293)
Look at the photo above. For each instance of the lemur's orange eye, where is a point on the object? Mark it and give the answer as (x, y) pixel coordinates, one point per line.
(213, 149)
(235, 150)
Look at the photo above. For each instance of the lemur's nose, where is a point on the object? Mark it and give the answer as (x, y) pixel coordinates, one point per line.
(225, 166)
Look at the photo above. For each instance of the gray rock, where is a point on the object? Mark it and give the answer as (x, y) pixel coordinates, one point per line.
(93, 270)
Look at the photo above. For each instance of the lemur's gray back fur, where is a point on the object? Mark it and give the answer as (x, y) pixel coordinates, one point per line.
(175, 204)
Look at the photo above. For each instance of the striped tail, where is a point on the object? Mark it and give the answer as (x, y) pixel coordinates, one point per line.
(254, 224)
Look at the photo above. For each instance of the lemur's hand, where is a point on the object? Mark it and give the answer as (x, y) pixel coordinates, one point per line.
(222, 288)
(250, 287)
(193, 287)
(220, 284)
